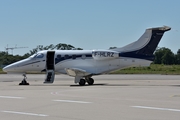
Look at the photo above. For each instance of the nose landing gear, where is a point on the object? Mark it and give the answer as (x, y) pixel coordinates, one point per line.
(24, 82)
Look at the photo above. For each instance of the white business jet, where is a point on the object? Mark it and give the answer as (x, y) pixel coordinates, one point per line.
(83, 64)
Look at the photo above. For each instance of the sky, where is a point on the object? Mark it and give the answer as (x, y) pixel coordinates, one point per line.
(87, 24)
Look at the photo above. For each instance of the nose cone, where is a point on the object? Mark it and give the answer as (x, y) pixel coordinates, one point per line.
(14, 67)
(17, 67)
(8, 68)
(5, 69)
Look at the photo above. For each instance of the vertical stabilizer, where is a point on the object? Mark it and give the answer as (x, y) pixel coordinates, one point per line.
(146, 44)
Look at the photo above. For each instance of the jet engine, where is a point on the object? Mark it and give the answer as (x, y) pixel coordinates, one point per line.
(104, 54)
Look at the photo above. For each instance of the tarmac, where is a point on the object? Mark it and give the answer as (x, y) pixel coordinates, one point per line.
(112, 97)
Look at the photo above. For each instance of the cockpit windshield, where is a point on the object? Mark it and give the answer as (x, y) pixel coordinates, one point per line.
(38, 55)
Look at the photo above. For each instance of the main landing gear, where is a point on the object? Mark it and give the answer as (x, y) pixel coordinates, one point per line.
(90, 81)
(24, 82)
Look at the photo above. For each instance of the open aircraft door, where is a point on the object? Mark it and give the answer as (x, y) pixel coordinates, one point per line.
(50, 68)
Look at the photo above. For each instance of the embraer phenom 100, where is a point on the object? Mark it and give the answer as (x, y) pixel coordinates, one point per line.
(83, 64)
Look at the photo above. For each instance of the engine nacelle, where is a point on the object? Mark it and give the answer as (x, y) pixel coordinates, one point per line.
(104, 54)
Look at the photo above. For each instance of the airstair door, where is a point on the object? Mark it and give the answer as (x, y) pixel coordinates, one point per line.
(50, 68)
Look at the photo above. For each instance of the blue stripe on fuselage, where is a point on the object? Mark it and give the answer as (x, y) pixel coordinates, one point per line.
(134, 55)
(58, 60)
(125, 54)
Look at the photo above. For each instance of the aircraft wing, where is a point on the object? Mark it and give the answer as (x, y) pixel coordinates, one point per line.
(76, 72)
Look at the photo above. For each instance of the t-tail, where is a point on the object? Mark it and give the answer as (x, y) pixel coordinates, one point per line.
(145, 46)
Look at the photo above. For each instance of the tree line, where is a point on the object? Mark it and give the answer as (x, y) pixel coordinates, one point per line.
(6, 59)
(162, 55)
(166, 56)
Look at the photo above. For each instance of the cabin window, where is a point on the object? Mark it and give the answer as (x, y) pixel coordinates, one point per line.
(59, 56)
(58, 59)
(66, 56)
(73, 56)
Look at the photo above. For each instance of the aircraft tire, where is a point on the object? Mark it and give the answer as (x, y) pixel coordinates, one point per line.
(91, 81)
(23, 83)
(82, 82)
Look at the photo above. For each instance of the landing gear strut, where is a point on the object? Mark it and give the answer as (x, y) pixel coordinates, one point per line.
(24, 82)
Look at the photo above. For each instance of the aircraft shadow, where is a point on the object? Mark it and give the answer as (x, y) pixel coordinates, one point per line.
(105, 84)
(175, 85)
(98, 84)
(77, 85)
(87, 85)
(101, 84)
